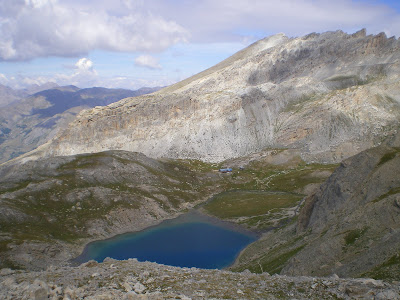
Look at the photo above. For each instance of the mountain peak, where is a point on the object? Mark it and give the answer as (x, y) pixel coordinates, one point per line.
(330, 95)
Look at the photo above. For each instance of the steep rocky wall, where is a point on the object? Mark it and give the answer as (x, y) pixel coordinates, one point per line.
(331, 95)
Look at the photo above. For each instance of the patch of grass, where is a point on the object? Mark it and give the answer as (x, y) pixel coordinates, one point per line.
(292, 179)
(387, 271)
(342, 77)
(353, 235)
(393, 191)
(346, 81)
(387, 157)
(296, 105)
(249, 203)
(275, 264)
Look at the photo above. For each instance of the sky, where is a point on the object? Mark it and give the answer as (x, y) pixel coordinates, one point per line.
(137, 43)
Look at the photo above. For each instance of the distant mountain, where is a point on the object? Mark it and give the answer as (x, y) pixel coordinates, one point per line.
(36, 88)
(329, 95)
(9, 95)
(28, 123)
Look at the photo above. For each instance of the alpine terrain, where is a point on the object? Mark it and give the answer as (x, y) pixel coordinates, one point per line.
(296, 139)
(33, 120)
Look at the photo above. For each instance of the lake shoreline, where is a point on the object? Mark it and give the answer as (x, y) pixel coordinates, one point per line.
(190, 217)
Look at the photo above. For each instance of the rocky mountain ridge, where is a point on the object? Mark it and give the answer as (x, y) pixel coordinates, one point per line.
(349, 227)
(32, 121)
(330, 95)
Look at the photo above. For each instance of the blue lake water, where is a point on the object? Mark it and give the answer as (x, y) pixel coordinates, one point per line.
(183, 242)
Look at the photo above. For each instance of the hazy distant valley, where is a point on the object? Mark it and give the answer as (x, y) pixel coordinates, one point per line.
(309, 126)
(31, 120)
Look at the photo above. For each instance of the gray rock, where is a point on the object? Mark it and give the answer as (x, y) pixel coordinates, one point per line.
(302, 93)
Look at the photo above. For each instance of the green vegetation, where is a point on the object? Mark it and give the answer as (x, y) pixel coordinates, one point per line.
(275, 266)
(342, 77)
(249, 203)
(353, 235)
(388, 156)
(297, 105)
(393, 191)
(60, 203)
(275, 260)
(259, 195)
(387, 271)
(346, 81)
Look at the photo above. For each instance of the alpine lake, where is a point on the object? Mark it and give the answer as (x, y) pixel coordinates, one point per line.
(190, 240)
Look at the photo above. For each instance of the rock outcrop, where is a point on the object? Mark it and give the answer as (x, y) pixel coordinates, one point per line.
(349, 227)
(330, 95)
(134, 280)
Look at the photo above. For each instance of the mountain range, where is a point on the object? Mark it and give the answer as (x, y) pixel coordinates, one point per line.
(309, 125)
(328, 95)
(31, 121)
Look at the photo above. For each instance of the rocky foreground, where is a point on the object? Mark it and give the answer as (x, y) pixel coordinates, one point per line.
(144, 280)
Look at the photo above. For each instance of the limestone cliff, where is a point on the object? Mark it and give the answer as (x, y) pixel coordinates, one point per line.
(330, 95)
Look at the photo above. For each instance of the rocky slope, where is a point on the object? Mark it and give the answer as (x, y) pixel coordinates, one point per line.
(50, 209)
(350, 226)
(34, 120)
(330, 95)
(133, 280)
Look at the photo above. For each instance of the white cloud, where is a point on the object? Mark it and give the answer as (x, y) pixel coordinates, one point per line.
(148, 61)
(85, 65)
(40, 28)
(230, 20)
(84, 74)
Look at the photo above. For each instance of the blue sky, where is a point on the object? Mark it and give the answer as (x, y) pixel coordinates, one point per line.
(135, 43)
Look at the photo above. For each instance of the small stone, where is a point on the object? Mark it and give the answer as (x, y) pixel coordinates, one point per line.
(39, 290)
(130, 296)
(139, 288)
(6, 271)
(90, 264)
(390, 294)
(150, 280)
(314, 286)
(376, 283)
(239, 291)
(69, 293)
(95, 275)
(10, 282)
(127, 287)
